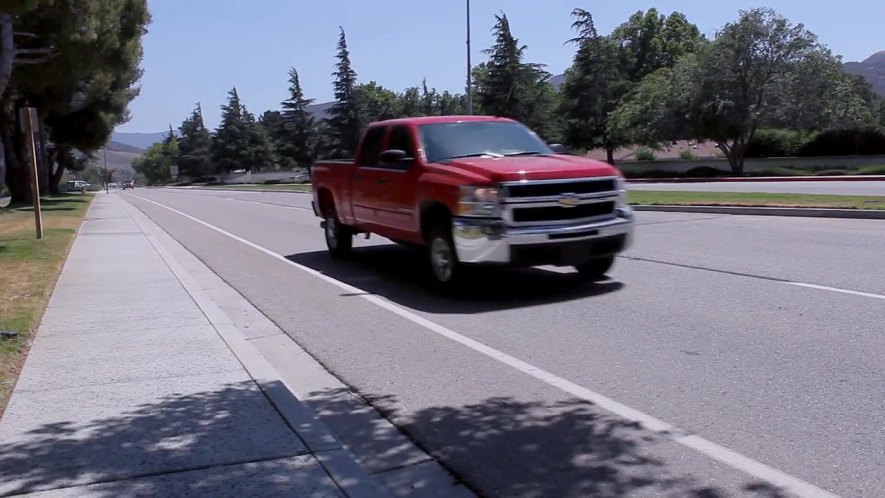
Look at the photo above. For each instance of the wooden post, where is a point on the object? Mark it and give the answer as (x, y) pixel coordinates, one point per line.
(28, 117)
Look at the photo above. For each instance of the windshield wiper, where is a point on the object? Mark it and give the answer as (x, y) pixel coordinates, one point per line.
(477, 154)
(525, 153)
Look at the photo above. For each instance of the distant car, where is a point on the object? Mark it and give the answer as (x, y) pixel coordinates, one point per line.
(128, 184)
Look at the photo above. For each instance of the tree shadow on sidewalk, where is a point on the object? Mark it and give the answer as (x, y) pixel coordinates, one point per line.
(201, 437)
(511, 448)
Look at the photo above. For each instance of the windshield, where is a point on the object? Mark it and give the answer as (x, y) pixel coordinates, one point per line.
(443, 141)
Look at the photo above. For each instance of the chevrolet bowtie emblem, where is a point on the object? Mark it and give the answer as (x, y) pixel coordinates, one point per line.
(569, 200)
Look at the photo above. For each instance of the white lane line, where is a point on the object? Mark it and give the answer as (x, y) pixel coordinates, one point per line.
(717, 452)
(261, 203)
(836, 289)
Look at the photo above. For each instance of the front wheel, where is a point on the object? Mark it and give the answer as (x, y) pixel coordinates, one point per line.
(339, 238)
(596, 269)
(443, 257)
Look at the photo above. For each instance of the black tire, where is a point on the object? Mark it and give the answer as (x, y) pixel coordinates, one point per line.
(596, 269)
(445, 269)
(339, 238)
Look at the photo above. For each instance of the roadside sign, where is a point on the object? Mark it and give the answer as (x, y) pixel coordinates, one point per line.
(173, 170)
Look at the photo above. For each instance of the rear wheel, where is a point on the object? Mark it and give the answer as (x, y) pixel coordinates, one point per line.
(444, 266)
(596, 269)
(339, 238)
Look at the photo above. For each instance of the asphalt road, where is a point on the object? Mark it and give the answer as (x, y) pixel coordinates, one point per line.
(708, 326)
(829, 187)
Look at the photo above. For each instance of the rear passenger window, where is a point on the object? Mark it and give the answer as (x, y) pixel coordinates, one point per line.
(371, 148)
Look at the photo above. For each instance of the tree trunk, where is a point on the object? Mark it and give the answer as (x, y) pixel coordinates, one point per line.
(43, 165)
(610, 154)
(18, 178)
(18, 167)
(7, 50)
(60, 160)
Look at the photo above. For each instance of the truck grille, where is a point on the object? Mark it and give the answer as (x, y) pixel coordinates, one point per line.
(553, 189)
(566, 201)
(559, 213)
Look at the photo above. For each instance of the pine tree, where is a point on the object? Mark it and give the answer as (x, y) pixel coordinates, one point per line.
(300, 142)
(592, 87)
(512, 88)
(344, 121)
(230, 148)
(195, 145)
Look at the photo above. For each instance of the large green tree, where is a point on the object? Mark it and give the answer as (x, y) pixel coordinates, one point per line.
(760, 71)
(343, 120)
(649, 41)
(82, 91)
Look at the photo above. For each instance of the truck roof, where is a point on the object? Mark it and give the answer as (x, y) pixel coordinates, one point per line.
(439, 119)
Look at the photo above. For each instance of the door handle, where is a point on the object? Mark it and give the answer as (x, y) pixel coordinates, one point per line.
(382, 180)
(357, 178)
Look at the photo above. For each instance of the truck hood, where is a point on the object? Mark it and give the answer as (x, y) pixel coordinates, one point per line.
(547, 167)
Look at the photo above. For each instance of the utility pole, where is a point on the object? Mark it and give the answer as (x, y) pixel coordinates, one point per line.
(28, 118)
(469, 66)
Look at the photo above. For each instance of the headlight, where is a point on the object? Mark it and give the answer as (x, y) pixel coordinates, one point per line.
(478, 201)
(622, 191)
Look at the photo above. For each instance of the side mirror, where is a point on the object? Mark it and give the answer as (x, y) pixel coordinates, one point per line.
(394, 156)
(560, 149)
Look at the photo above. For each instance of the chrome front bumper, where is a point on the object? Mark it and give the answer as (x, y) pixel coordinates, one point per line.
(492, 241)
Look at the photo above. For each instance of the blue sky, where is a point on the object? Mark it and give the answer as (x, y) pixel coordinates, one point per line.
(197, 50)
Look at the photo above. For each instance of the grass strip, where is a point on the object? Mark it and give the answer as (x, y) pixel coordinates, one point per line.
(29, 269)
(753, 199)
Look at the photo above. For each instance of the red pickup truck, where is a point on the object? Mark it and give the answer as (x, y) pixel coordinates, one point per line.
(474, 190)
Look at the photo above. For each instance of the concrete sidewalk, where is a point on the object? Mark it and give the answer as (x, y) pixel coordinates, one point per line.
(135, 386)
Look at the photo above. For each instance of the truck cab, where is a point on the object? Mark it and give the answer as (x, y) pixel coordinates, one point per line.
(474, 190)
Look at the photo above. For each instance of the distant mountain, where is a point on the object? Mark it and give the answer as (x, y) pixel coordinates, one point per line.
(873, 69)
(557, 81)
(121, 147)
(138, 140)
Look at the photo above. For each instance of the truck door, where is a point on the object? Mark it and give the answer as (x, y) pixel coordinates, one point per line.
(399, 183)
(367, 193)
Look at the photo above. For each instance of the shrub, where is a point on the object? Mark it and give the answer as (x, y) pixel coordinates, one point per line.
(688, 155)
(861, 141)
(872, 170)
(777, 143)
(704, 172)
(645, 155)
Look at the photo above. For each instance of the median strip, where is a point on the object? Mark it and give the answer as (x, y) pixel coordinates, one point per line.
(29, 269)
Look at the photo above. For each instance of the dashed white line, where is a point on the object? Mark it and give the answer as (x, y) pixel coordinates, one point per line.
(706, 447)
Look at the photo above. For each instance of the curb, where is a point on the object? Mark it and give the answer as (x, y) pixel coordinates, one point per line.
(847, 178)
(859, 214)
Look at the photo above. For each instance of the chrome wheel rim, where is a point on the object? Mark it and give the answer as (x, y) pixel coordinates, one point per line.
(441, 259)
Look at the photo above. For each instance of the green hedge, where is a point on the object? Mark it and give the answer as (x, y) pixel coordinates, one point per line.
(787, 143)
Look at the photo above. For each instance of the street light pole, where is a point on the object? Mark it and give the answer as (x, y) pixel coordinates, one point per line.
(469, 66)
